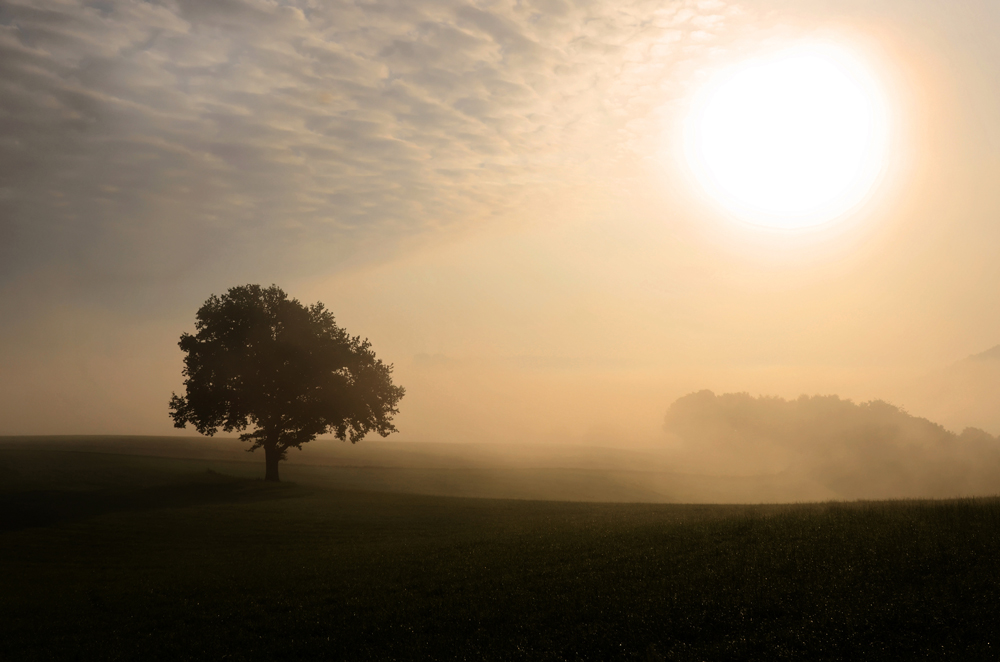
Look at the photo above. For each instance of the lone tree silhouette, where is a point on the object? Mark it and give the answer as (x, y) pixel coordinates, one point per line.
(259, 359)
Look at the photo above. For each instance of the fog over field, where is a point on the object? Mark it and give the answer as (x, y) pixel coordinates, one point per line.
(499, 330)
(732, 448)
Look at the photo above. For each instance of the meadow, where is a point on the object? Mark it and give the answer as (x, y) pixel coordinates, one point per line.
(113, 557)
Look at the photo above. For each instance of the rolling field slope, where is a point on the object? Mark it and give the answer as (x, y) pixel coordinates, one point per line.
(109, 556)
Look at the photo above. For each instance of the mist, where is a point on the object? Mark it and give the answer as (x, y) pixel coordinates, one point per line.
(499, 329)
(496, 198)
(857, 451)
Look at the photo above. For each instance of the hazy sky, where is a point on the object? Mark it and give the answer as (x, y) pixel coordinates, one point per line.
(493, 192)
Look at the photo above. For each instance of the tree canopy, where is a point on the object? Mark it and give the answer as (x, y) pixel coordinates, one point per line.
(281, 373)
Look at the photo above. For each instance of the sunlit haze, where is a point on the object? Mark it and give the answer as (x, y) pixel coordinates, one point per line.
(554, 219)
(790, 140)
(499, 329)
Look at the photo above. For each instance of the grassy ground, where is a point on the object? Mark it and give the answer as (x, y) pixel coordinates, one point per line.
(551, 472)
(113, 557)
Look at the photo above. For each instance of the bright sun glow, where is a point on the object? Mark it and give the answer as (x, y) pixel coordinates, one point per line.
(793, 140)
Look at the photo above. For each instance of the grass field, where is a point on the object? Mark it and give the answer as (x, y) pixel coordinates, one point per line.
(108, 556)
(538, 472)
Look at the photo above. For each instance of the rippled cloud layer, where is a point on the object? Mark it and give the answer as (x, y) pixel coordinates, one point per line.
(140, 138)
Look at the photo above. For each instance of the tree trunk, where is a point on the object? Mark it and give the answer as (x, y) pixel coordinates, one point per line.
(272, 456)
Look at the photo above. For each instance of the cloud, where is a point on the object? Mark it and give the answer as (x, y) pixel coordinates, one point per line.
(144, 139)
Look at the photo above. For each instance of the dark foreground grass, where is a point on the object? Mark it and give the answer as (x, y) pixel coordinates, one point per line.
(150, 560)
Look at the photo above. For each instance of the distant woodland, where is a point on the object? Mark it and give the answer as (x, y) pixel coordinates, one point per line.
(867, 450)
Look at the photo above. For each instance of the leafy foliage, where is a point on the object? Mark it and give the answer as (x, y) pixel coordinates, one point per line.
(261, 360)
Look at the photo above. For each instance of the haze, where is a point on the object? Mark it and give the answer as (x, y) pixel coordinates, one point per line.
(495, 194)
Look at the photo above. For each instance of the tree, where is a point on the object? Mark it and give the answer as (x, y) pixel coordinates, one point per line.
(286, 371)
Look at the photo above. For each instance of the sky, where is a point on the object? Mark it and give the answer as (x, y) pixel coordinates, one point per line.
(495, 194)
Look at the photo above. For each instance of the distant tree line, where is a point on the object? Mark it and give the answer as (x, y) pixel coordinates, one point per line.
(869, 450)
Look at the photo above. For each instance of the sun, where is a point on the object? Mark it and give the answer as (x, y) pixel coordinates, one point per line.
(792, 140)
